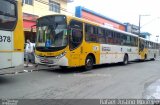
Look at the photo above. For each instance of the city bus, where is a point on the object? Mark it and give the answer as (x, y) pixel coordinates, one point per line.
(11, 34)
(148, 50)
(68, 41)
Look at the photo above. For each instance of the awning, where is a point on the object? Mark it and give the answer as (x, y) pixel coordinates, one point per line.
(29, 20)
(27, 24)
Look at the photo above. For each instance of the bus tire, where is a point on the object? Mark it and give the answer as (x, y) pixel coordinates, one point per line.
(154, 57)
(125, 60)
(145, 57)
(89, 62)
(63, 67)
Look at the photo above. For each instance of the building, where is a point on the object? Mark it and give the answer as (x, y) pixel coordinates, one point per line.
(132, 28)
(145, 35)
(135, 30)
(85, 13)
(33, 9)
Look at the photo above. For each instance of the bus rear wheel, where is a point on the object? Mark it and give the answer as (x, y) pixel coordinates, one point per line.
(89, 62)
(154, 57)
(125, 60)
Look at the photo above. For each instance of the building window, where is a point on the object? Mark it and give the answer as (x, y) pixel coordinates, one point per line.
(29, 2)
(53, 6)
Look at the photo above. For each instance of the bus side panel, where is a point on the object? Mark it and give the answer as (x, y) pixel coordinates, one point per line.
(6, 48)
(18, 58)
(18, 32)
(5, 60)
(90, 48)
(107, 54)
(115, 53)
(133, 53)
(150, 53)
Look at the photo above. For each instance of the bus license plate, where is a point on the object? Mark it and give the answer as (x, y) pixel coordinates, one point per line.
(47, 61)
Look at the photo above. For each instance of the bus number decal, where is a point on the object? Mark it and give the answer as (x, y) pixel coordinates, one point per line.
(5, 38)
(106, 49)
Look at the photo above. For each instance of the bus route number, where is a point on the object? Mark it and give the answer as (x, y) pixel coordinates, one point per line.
(5, 38)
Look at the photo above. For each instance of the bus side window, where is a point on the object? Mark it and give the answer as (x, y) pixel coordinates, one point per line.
(121, 39)
(101, 36)
(91, 33)
(87, 32)
(133, 41)
(147, 44)
(124, 39)
(114, 37)
(117, 38)
(142, 45)
(128, 41)
(106, 36)
(110, 37)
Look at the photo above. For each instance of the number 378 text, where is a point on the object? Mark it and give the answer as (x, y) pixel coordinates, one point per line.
(5, 38)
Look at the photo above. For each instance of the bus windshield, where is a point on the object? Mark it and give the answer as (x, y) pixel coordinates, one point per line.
(7, 15)
(52, 32)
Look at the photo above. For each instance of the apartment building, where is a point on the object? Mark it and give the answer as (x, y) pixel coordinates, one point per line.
(33, 9)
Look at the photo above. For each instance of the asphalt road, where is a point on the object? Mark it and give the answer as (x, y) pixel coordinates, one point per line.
(135, 80)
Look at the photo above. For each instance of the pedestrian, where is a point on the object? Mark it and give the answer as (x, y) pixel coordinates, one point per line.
(29, 50)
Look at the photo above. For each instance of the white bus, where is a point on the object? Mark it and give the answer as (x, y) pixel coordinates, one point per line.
(11, 34)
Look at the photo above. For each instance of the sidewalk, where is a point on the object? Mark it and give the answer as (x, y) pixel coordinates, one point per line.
(12, 70)
(33, 67)
(23, 69)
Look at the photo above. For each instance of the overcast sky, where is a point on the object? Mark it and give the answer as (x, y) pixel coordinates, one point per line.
(126, 11)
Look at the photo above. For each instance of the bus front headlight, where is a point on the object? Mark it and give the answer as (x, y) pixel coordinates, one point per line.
(61, 55)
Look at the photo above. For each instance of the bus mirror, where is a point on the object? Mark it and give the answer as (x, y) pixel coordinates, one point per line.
(32, 28)
(70, 34)
(65, 32)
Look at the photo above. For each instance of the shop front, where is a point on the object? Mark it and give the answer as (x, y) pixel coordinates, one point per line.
(29, 21)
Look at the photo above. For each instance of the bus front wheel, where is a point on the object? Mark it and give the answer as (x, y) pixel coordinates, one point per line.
(63, 67)
(89, 62)
(125, 60)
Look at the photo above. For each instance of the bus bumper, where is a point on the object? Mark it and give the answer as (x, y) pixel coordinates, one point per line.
(51, 61)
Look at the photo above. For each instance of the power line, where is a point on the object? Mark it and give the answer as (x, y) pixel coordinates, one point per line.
(150, 21)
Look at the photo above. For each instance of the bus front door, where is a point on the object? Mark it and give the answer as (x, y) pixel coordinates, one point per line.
(75, 48)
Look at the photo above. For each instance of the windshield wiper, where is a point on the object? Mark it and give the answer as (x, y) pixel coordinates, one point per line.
(6, 14)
